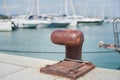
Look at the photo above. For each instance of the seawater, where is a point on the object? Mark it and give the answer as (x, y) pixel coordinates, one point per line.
(36, 43)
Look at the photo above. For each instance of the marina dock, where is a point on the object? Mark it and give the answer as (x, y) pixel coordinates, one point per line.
(14, 67)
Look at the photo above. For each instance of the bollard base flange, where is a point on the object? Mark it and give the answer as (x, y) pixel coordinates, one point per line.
(70, 69)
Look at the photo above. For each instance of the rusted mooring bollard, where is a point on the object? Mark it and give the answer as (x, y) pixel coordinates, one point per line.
(72, 39)
(72, 66)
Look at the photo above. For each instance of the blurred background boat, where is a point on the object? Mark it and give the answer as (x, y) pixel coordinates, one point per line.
(5, 25)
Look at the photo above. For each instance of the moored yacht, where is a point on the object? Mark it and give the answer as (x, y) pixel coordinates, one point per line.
(30, 21)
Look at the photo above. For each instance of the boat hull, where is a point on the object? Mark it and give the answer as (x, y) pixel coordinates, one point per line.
(5, 26)
(97, 22)
(58, 25)
(23, 23)
(25, 26)
(91, 20)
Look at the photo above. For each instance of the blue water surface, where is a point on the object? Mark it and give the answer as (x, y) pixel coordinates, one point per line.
(36, 43)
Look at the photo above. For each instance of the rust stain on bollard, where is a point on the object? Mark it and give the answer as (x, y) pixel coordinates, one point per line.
(67, 37)
(72, 66)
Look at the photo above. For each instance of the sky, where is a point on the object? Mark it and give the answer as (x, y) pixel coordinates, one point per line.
(81, 7)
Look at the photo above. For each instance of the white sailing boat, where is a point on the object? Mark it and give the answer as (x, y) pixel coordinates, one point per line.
(82, 19)
(29, 21)
(64, 21)
(56, 21)
(34, 21)
(60, 21)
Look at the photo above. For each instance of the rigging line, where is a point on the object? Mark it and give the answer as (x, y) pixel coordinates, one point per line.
(6, 8)
(21, 51)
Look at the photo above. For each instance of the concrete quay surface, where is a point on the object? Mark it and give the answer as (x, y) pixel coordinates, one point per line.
(14, 67)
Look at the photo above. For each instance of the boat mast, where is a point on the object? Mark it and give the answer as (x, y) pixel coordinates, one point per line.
(34, 7)
(73, 9)
(60, 7)
(117, 11)
(66, 8)
(6, 8)
(103, 9)
(86, 8)
(38, 8)
(30, 7)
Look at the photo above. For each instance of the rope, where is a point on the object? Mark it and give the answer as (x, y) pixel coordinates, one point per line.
(58, 52)
(20, 51)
